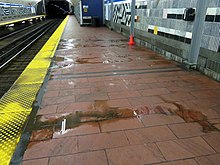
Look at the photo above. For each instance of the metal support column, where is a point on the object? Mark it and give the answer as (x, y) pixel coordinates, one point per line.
(80, 12)
(103, 10)
(111, 21)
(132, 17)
(1, 13)
(201, 8)
(44, 7)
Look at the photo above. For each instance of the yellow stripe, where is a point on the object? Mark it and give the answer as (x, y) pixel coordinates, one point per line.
(20, 20)
(155, 30)
(16, 104)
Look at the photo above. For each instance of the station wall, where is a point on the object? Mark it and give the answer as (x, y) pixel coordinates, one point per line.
(159, 25)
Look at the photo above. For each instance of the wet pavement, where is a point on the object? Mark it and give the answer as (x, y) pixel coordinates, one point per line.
(109, 103)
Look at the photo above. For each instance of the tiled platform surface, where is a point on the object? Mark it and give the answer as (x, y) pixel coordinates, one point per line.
(123, 106)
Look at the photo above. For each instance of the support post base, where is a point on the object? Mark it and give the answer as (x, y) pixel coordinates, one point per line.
(189, 66)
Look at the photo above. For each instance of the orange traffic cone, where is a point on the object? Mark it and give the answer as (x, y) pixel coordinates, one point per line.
(131, 41)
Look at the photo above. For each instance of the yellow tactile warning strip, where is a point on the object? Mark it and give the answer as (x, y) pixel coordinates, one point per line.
(16, 104)
(8, 22)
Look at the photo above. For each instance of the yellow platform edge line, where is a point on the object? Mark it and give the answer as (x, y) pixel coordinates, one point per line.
(19, 20)
(13, 109)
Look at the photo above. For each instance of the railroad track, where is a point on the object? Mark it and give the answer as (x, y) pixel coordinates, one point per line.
(17, 49)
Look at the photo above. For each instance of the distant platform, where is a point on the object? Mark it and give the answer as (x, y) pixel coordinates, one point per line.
(11, 21)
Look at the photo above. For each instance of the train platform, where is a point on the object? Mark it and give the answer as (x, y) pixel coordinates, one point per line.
(17, 20)
(108, 103)
(105, 102)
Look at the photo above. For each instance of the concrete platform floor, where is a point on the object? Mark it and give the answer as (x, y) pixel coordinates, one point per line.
(108, 103)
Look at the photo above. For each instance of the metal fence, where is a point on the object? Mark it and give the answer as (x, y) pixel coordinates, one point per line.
(11, 11)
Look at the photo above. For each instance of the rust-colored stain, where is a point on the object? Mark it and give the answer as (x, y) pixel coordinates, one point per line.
(162, 110)
(101, 111)
(143, 110)
(102, 105)
(139, 49)
(45, 125)
(189, 115)
(162, 62)
(88, 60)
(153, 57)
(96, 60)
(43, 134)
(31, 144)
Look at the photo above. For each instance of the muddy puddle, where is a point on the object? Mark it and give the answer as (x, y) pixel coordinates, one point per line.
(107, 60)
(89, 60)
(96, 112)
(140, 49)
(189, 115)
(52, 126)
(118, 40)
(58, 59)
(160, 62)
(62, 62)
(65, 44)
(65, 62)
(97, 60)
(153, 57)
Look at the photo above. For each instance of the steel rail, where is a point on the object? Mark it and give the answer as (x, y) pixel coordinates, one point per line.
(8, 56)
(16, 31)
(20, 38)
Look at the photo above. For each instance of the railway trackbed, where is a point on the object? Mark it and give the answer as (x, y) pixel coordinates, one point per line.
(18, 48)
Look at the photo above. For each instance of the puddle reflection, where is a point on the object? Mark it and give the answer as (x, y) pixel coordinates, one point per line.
(54, 126)
(65, 44)
(62, 62)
